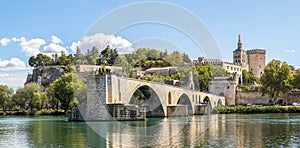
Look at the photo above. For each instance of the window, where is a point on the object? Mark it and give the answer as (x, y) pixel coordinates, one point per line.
(169, 98)
(228, 87)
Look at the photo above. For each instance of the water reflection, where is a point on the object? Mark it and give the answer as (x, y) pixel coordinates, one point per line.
(260, 130)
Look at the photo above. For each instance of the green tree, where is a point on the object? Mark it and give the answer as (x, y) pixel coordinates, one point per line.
(33, 91)
(92, 56)
(66, 88)
(174, 58)
(249, 78)
(39, 60)
(28, 97)
(186, 58)
(296, 80)
(20, 99)
(153, 54)
(204, 75)
(149, 63)
(122, 62)
(6, 94)
(53, 102)
(79, 58)
(218, 71)
(32, 61)
(65, 60)
(108, 56)
(276, 79)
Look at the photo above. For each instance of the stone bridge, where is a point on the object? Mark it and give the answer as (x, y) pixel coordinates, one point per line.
(163, 98)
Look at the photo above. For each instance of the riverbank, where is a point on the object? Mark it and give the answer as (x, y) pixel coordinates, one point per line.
(40, 112)
(257, 109)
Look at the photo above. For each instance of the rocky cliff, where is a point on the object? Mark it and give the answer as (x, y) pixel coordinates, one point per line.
(45, 75)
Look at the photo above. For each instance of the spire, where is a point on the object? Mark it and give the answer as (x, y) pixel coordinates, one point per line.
(239, 43)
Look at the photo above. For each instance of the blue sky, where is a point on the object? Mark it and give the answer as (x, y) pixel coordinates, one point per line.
(33, 26)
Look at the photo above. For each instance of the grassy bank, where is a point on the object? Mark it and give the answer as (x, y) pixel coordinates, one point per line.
(256, 109)
(41, 112)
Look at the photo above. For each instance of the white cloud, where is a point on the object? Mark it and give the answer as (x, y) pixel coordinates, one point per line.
(290, 51)
(32, 46)
(74, 45)
(13, 79)
(6, 75)
(100, 41)
(56, 40)
(22, 39)
(13, 64)
(54, 48)
(4, 41)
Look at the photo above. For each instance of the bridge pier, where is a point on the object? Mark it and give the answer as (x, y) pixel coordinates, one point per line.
(177, 110)
(182, 110)
(200, 109)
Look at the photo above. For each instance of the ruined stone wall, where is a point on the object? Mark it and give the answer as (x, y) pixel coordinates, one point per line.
(252, 97)
(291, 97)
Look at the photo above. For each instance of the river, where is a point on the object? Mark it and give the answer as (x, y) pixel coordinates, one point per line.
(232, 130)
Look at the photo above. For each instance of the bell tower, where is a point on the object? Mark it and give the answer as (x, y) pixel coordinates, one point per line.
(240, 55)
(239, 42)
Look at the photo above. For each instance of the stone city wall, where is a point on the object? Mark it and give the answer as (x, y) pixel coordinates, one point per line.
(250, 97)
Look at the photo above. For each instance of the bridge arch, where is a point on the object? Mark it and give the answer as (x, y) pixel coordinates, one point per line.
(146, 96)
(185, 100)
(207, 101)
(219, 104)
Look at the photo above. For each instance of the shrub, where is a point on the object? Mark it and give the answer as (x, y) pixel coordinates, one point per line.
(244, 87)
(256, 109)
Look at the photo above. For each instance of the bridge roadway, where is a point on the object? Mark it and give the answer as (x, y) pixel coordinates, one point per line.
(121, 90)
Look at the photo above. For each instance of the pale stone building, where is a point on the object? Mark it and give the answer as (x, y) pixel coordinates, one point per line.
(229, 67)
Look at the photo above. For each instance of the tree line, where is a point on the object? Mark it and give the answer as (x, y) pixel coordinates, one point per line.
(63, 93)
(142, 57)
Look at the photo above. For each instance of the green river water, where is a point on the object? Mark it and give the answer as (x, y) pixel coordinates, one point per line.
(232, 130)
